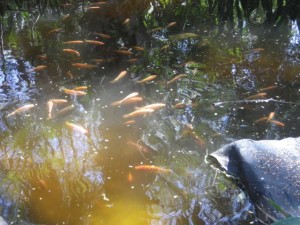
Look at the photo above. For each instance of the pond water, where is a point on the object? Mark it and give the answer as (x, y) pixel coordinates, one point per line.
(77, 159)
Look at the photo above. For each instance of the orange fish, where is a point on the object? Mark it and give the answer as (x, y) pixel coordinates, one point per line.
(130, 177)
(132, 60)
(127, 101)
(81, 88)
(153, 106)
(50, 107)
(71, 51)
(271, 116)
(259, 95)
(58, 100)
(76, 127)
(93, 8)
(39, 68)
(152, 168)
(74, 92)
(172, 24)
(178, 77)
(56, 30)
(98, 60)
(119, 77)
(21, 109)
(263, 119)
(70, 74)
(269, 88)
(74, 42)
(62, 112)
(84, 65)
(105, 36)
(277, 123)
(138, 112)
(180, 105)
(147, 79)
(94, 42)
(124, 52)
(138, 48)
(129, 122)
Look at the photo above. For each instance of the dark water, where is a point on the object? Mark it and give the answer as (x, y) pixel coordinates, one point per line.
(52, 174)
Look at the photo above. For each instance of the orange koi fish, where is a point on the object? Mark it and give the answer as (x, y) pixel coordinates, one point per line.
(120, 76)
(133, 94)
(270, 117)
(139, 112)
(147, 79)
(62, 112)
(129, 122)
(123, 52)
(132, 60)
(39, 68)
(76, 127)
(138, 48)
(277, 123)
(21, 109)
(154, 106)
(84, 65)
(260, 120)
(50, 107)
(81, 88)
(178, 77)
(74, 92)
(152, 168)
(58, 100)
(259, 95)
(172, 24)
(71, 51)
(126, 21)
(127, 101)
(180, 105)
(56, 30)
(74, 42)
(105, 36)
(268, 88)
(94, 42)
(93, 8)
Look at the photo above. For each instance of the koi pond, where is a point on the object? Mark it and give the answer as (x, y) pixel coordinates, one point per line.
(109, 121)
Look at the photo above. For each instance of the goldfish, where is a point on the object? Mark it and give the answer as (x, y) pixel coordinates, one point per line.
(62, 112)
(138, 112)
(39, 68)
(84, 65)
(129, 122)
(259, 95)
(124, 52)
(133, 94)
(132, 60)
(94, 42)
(268, 88)
(76, 127)
(153, 106)
(74, 92)
(71, 51)
(178, 77)
(180, 105)
(21, 109)
(105, 36)
(126, 21)
(74, 42)
(56, 30)
(147, 79)
(58, 100)
(80, 88)
(138, 48)
(93, 8)
(127, 101)
(262, 119)
(152, 168)
(120, 76)
(98, 60)
(271, 116)
(172, 24)
(50, 107)
(129, 177)
(277, 123)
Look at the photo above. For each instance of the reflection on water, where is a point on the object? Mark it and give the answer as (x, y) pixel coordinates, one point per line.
(55, 174)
